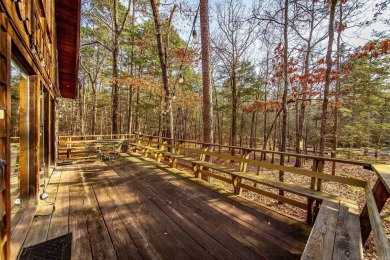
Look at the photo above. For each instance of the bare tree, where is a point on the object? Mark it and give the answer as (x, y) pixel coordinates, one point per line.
(337, 90)
(285, 92)
(112, 15)
(236, 34)
(163, 55)
(328, 61)
(92, 67)
(311, 19)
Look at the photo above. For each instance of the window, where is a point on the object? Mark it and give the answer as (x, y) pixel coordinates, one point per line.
(19, 135)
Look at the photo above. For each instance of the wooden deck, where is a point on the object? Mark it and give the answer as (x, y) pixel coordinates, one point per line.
(135, 209)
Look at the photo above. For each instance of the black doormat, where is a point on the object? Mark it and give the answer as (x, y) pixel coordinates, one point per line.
(59, 248)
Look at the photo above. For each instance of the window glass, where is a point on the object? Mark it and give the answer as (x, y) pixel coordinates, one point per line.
(18, 122)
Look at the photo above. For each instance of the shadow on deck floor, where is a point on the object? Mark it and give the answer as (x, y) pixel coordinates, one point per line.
(135, 209)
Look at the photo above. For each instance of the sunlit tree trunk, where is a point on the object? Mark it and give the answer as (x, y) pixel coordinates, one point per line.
(208, 123)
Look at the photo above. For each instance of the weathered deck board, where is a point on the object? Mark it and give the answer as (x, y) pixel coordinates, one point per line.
(229, 217)
(221, 226)
(101, 245)
(123, 243)
(131, 209)
(40, 226)
(288, 230)
(156, 226)
(213, 247)
(81, 247)
(59, 224)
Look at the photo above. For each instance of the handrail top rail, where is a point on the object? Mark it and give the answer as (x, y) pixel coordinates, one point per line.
(367, 165)
(383, 172)
(379, 234)
(78, 136)
(319, 158)
(290, 169)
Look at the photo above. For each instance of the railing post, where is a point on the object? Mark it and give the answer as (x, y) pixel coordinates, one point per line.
(236, 181)
(245, 155)
(161, 147)
(69, 147)
(146, 150)
(138, 140)
(178, 150)
(315, 184)
(236, 184)
(202, 158)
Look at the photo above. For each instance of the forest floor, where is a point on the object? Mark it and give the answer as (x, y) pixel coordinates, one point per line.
(346, 191)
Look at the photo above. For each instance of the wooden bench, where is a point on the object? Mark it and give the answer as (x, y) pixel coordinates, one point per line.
(237, 176)
(89, 147)
(335, 234)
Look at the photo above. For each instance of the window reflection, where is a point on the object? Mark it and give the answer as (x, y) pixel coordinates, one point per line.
(17, 77)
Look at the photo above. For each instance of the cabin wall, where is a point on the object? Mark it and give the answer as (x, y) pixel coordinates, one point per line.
(28, 92)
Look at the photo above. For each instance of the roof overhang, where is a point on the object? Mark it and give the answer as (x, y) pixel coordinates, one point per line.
(68, 43)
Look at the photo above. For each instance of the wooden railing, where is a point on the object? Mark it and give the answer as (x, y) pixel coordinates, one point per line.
(70, 139)
(71, 145)
(182, 152)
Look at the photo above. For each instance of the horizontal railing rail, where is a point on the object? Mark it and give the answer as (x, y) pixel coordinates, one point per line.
(240, 148)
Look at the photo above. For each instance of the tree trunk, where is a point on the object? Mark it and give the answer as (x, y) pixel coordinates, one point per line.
(284, 98)
(252, 141)
(241, 127)
(130, 99)
(116, 34)
(136, 127)
(219, 121)
(327, 77)
(302, 111)
(207, 91)
(160, 117)
(162, 53)
(83, 123)
(115, 86)
(130, 111)
(234, 111)
(265, 137)
(94, 112)
(336, 109)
